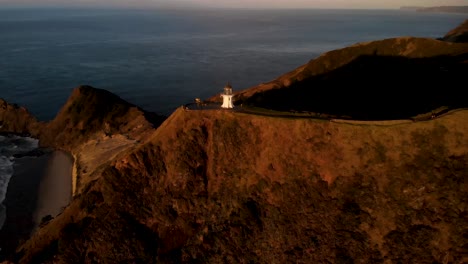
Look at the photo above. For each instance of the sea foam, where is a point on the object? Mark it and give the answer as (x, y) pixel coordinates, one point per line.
(10, 146)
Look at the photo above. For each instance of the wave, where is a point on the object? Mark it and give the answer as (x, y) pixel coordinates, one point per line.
(10, 146)
(6, 171)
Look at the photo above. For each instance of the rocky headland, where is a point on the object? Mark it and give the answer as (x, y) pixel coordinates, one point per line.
(216, 186)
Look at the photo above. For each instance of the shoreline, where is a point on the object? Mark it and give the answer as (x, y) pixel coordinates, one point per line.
(40, 186)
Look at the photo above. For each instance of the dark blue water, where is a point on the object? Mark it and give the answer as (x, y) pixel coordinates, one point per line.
(160, 59)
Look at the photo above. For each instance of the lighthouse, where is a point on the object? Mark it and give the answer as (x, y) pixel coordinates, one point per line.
(227, 97)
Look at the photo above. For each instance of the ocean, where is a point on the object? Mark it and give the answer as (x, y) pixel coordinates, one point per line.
(161, 59)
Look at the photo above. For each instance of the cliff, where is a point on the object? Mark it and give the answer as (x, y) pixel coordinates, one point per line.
(216, 186)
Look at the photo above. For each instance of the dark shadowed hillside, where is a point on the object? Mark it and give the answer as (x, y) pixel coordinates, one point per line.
(382, 80)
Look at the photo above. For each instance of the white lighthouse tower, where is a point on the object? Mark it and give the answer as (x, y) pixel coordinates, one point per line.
(227, 97)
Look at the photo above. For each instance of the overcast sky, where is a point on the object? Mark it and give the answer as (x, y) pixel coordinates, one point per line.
(239, 3)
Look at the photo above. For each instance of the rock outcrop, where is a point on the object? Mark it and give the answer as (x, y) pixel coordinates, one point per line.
(16, 119)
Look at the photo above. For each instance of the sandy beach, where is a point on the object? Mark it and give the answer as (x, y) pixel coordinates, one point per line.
(40, 186)
(55, 189)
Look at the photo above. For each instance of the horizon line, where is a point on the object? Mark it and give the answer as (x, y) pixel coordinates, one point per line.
(191, 7)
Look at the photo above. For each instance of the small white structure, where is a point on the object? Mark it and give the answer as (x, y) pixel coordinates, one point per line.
(227, 97)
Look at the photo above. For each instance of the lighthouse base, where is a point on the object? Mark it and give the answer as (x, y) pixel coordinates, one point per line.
(227, 101)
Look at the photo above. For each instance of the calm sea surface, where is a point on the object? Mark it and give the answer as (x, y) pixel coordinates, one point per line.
(160, 59)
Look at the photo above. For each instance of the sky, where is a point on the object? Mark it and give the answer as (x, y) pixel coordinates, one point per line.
(358, 4)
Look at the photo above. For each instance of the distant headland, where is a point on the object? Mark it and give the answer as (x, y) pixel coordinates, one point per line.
(445, 9)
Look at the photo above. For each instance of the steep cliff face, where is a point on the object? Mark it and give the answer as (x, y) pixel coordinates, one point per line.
(219, 186)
